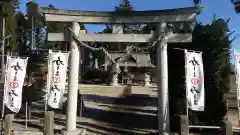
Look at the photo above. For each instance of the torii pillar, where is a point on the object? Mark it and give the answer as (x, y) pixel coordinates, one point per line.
(162, 80)
(73, 86)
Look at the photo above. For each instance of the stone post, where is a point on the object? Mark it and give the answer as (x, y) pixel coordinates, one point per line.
(48, 123)
(162, 81)
(117, 28)
(8, 125)
(227, 128)
(184, 125)
(73, 85)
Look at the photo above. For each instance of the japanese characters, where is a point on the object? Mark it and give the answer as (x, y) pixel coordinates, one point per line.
(14, 79)
(57, 69)
(194, 80)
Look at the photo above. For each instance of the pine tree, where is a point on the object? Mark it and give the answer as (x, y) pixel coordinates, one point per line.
(236, 4)
(124, 7)
(213, 41)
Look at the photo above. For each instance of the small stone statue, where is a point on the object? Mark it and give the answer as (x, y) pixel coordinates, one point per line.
(116, 71)
(147, 80)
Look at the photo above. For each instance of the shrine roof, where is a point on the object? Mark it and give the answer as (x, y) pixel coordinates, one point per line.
(132, 60)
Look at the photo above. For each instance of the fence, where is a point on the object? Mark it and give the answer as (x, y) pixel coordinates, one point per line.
(226, 128)
(48, 121)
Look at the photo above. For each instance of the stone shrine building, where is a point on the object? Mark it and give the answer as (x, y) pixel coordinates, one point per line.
(135, 68)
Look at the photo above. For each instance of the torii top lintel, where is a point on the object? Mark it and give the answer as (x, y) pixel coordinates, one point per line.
(93, 17)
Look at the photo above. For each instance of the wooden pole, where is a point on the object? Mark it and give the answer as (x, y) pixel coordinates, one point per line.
(26, 115)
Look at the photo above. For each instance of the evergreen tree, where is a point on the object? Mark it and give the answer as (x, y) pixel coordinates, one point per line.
(124, 7)
(236, 4)
(213, 40)
(8, 9)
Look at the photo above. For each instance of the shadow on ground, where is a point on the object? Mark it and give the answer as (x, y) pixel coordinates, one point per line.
(121, 116)
(134, 100)
(109, 117)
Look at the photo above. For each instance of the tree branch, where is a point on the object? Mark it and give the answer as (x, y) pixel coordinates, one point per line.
(5, 38)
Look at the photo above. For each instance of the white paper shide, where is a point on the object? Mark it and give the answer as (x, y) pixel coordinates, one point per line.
(58, 63)
(14, 79)
(194, 80)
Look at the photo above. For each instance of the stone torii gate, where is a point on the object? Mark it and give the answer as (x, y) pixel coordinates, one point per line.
(160, 18)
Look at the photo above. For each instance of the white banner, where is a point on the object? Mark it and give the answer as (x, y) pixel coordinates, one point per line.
(14, 79)
(194, 81)
(237, 72)
(57, 69)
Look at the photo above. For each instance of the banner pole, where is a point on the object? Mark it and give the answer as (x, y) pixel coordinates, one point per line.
(5, 78)
(26, 118)
(185, 52)
(3, 106)
(48, 80)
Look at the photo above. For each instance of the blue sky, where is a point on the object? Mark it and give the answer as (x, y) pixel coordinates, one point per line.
(223, 9)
